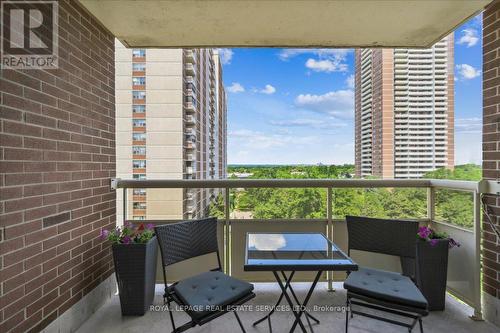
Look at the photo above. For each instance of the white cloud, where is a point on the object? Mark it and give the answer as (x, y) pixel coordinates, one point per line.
(286, 54)
(310, 123)
(259, 140)
(469, 125)
(467, 72)
(467, 147)
(270, 242)
(268, 90)
(226, 55)
(469, 37)
(350, 81)
(338, 103)
(328, 60)
(327, 66)
(235, 87)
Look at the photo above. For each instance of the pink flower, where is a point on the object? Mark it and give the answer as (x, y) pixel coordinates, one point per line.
(150, 226)
(126, 240)
(434, 242)
(424, 232)
(104, 234)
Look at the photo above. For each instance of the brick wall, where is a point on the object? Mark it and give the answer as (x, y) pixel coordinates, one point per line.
(57, 156)
(491, 149)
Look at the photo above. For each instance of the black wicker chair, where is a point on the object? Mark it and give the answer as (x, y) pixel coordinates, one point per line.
(205, 296)
(380, 290)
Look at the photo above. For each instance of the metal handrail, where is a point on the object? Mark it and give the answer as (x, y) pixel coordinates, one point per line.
(460, 185)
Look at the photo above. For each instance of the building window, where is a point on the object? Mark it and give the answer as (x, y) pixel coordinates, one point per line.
(138, 108)
(138, 164)
(139, 81)
(140, 218)
(139, 122)
(139, 136)
(139, 95)
(139, 205)
(138, 53)
(139, 150)
(139, 176)
(139, 191)
(139, 67)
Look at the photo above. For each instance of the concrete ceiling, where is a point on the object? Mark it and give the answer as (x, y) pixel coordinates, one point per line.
(267, 23)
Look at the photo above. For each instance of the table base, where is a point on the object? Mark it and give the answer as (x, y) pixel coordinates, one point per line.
(285, 285)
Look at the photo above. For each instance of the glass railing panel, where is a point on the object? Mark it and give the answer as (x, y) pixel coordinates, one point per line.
(394, 203)
(454, 207)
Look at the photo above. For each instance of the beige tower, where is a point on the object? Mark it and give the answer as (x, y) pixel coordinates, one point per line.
(170, 109)
(404, 110)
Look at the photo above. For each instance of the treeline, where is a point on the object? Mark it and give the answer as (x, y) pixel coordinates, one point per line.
(265, 203)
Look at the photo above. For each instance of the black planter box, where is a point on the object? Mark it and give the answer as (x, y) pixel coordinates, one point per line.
(431, 272)
(135, 268)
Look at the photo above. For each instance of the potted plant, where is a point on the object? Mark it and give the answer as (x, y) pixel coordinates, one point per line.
(432, 265)
(135, 251)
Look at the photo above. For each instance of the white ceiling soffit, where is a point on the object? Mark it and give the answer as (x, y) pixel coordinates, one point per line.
(282, 23)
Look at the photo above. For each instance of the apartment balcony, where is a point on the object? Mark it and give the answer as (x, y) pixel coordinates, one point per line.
(189, 69)
(189, 107)
(189, 56)
(190, 119)
(463, 273)
(190, 157)
(190, 144)
(55, 269)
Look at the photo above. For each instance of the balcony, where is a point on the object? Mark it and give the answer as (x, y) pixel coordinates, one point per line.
(189, 69)
(56, 270)
(463, 273)
(189, 56)
(190, 119)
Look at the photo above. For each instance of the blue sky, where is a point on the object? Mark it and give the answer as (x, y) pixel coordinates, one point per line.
(296, 106)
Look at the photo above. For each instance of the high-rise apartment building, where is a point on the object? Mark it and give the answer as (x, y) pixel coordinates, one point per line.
(170, 124)
(404, 110)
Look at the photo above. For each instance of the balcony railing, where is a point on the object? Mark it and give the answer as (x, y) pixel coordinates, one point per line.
(464, 271)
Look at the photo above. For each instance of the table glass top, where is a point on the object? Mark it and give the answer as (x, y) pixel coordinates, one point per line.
(275, 249)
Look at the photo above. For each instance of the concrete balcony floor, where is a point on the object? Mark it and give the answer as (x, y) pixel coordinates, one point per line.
(454, 319)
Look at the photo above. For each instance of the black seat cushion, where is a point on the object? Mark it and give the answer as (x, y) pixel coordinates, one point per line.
(385, 286)
(209, 292)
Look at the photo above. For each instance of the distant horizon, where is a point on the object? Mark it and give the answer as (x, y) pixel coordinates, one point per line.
(316, 164)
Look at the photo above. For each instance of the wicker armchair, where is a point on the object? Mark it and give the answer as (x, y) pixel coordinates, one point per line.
(205, 296)
(380, 290)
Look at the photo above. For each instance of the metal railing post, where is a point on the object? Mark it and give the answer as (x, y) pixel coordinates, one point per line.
(477, 262)
(124, 205)
(431, 204)
(329, 216)
(227, 243)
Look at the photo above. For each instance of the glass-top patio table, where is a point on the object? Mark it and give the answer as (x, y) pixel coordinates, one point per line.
(291, 252)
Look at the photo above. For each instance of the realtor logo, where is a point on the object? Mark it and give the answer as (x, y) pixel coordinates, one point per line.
(29, 34)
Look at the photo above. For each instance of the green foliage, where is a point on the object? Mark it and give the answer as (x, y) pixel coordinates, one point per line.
(270, 203)
(454, 206)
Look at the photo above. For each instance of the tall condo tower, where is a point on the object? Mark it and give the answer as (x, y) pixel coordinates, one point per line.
(404, 110)
(170, 124)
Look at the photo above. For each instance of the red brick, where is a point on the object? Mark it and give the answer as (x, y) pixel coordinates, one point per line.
(22, 229)
(21, 129)
(57, 155)
(491, 137)
(23, 204)
(55, 241)
(19, 255)
(22, 279)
